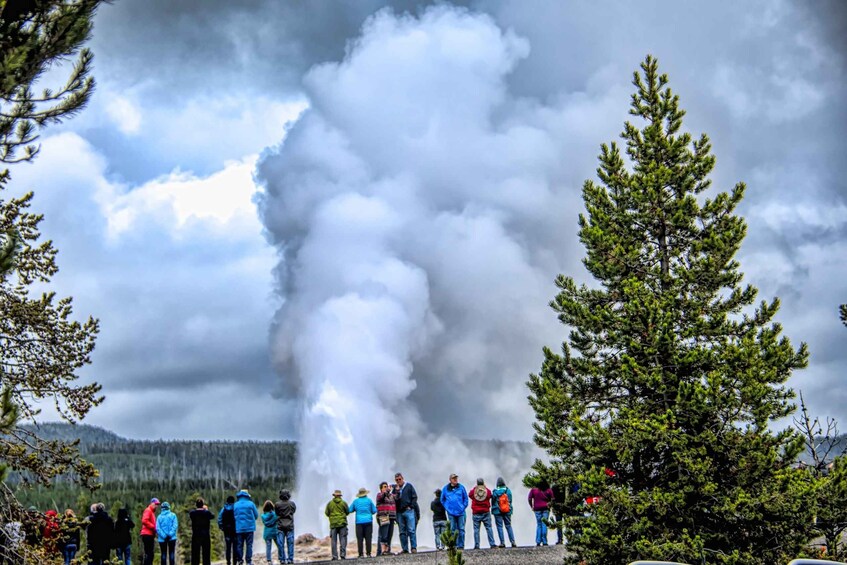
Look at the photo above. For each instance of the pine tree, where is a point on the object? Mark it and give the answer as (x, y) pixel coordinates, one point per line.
(8, 409)
(663, 398)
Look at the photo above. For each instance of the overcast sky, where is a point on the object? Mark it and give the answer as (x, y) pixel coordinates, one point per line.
(151, 193)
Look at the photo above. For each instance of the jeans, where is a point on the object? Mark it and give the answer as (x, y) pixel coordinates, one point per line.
(147, 542)
(384, 535)
(201, 547)
(229, 546)
(484, 519)
(541, 526)
(457, 524)
(125, 554)
(364, 533)
(499, 520)
(408, 535)
(269, 544)
(438, 527)
(168, 549)
(69, 553)
(338, 536)
(242, 539)
(283, 538)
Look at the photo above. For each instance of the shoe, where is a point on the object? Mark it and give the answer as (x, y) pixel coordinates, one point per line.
(476, 547)
(538, 545)
(514, 544)
(414, 550)
(559, 543)
(502, 545)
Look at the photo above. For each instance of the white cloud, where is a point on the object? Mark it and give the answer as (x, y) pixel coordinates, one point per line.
(124, 113)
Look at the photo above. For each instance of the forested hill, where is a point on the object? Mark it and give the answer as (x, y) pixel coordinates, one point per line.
(178, 463)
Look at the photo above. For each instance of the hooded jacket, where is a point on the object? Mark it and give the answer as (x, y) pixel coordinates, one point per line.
(455, 500)
(167, 524)
(285, 509)
(123, 529)
(495, 500)
(100, 531)
(337, 510)
(148, 521)
(51, 529)
(269, 521)
(245, 512)
(226, 520)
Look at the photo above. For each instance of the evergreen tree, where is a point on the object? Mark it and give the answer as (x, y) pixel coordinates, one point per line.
(8, 410)
(662, 399)
(41, 346)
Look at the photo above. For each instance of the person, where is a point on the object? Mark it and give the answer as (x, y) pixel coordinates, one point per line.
(269, 532)
(336, 511)
(50, 534)
(481, 512)
(245, 513)
(70, 539)
(226, 523)
(539, 500)
(100, 534)
(386, 515)
(407, 500)
(501, 507)
(454, 498)
(201, 535)
(167, 526)
(285, 509)
(439, 519)
(148, 530)
(557, 503)
(123, 536)
(364, 508)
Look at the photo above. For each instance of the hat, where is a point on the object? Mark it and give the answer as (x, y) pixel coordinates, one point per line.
(154, 501)
(454, 476)
(363, 492)
(336, 493)
(166, 506)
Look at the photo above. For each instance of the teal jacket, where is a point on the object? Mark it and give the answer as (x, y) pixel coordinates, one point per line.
(269, 520)
(167, 524)
(364, 509)
(495, 500)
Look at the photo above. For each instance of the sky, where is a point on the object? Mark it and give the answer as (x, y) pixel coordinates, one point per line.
(282, 210)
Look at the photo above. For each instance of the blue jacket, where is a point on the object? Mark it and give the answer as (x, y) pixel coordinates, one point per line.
(455, 500)
(246, 513)
(364, 509)
(269, 520)
(166, 524)
(495, 500)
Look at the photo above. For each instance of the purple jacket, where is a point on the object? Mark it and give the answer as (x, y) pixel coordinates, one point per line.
(539, 499)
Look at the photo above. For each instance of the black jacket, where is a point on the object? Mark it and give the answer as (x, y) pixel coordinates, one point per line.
(123, 531)
(200, 518)
(101, 535)
(285, 509)
(438, 512)
(407, 498)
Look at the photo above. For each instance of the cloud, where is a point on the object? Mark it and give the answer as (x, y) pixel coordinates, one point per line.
(125, 114)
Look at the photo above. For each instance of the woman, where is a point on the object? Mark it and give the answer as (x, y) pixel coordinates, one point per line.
(386, 515)
(167, 525)
(123, 536)
(70, 536)
(269, 533)
(501, 507)
(364, 508)
(539, 500)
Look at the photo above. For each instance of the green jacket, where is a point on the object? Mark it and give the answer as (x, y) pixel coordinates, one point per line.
(336, 511)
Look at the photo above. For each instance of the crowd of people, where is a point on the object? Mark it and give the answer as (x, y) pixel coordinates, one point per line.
(395, 507)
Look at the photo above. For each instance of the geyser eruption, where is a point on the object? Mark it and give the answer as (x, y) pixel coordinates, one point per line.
(414, 207)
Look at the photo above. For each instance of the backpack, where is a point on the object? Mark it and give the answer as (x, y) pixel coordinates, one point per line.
(503, 503)
(228, 520)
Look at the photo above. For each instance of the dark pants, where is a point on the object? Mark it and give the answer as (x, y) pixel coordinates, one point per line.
(338, 539)
(147, 542)
(124, 554)
(385, 533)
(168, 549)
(244, 547)
(229, 545)
(364, 532)
(201, 544)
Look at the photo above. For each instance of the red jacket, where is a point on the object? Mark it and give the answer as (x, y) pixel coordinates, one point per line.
(480, 506)
(148, 521)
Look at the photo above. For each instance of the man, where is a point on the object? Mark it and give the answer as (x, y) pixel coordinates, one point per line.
(100, 534)
(148, 530)
(285, 509)
(407, 502)
(336, 511)
(481, 511)
(226, 523)
(201, 536)
(245, 513)
(454, 497)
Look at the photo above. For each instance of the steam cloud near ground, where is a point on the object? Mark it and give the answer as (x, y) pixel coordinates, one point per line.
(421, 217)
